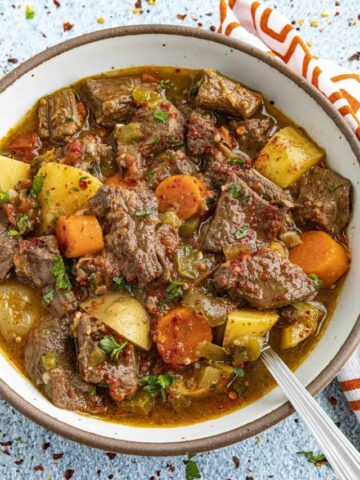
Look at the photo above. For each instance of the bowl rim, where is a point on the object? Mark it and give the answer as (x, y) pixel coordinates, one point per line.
(280, 413)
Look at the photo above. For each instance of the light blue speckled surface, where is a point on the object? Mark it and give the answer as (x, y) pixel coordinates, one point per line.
(27, 450)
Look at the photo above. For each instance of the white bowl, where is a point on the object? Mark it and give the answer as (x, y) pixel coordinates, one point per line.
(168, 45)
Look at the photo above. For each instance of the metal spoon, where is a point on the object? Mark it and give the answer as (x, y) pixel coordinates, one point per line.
(339, 452)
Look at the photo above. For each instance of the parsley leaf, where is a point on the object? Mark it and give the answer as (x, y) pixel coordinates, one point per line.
(157, 384)
(192, 470)
(165, 84)
(36, 186)
(311, 458)
(174, 290)
(110, 346)
(150, 174)
(121, 285)
(59, 271)
(48, 296)
(242, 232)
(319, 284)
(29, 13)
(162, 116)
(333, 188)
(238, 161)
(235, 190)
(239, 372)
(156, 140)
(194, 90)
(23, 224)
(145, 212)
(4, 197)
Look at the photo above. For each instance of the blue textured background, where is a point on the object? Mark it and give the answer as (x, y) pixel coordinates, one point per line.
(30, 452)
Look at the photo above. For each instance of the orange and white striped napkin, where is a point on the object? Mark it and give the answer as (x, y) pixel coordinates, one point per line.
(262, 27)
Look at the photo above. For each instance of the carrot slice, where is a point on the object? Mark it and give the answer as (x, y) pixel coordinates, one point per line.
(322, 255)
(179, 332)
(183, 193)
(79, 235)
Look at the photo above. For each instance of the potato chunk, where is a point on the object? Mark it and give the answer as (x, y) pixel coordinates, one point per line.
(287, 156)
(65, 191)
(20, 310)
(12, 172)
(246, 328)
(124, 314)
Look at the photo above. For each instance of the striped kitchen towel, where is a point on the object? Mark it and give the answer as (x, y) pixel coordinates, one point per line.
(264, 28)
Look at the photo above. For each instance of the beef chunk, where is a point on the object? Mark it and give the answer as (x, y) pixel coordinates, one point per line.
(323, 200)
(201, 131)
(95, 272)
(110, 99)
(265, 280)
(95, 366)
(8, 245)
(131, 218)
(252, 134)
(241, 212)
(223, 168)
(34, 263)
(224, 95)
(59, 115)
(88, 151)
(49, 362)
(167, 243)
(166, 164)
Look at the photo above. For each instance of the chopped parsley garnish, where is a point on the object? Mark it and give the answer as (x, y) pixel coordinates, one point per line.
(93, 280)
(239, 388)
(156, 140)
(192, 470)
(59, 271)
(23, 224)
(69, 119)
(144, 213)
(150, 174)
(235, 190)
(110, 346)
(165, 84)
(238, 161)
(4, 197)
(242, 232)
(333, 188)
(47, 329)
(162, 116)
(75, 189)
(29, 13)
(91, 390)
(157, 384)
(319, 284)
(54, 220)
(311, 458)
(174, 290)
(194, 90)
(121, 285)
(36, 186)
(48, 296)
(239, 372)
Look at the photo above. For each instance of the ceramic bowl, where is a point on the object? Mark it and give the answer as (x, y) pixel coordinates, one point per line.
(168, 45)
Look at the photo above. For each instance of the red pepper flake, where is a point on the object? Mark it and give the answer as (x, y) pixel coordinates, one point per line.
(138, 4)
(212, 28)
(57, 456)
(180, 16)
(6, 452)
(57, 3)
(19, 462)
(111, 455)
(333, 401)
(170, 467)
(236, 462)
(46, 445)
(13, 60)
(67, 26)
(39, 468)
(6, 444)
(69, 474)
(200, 24)
(354, 56)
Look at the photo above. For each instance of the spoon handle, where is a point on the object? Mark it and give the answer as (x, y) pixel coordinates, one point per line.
(340, 453)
